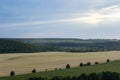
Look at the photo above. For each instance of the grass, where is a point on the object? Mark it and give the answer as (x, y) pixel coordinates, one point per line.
(24, 63)
(111, 66)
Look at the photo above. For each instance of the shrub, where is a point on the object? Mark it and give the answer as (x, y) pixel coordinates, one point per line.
(46, 70)
(93, 76)
(96, 62)
(81, 65)
(74, 78)
(12, 73)
(88, 64)
(59, 68)
(110, 76)
(33, 78)
(57, 78)
(83, 76)
(108, 60)
(34, 71)
(67, 78)
(68, 66)
(55, 69)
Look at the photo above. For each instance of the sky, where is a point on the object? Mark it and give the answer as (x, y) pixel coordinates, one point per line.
(84, 19)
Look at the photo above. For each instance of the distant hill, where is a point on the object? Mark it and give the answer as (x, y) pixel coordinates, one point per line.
(57, 44)
(13, 46)
(76, 45)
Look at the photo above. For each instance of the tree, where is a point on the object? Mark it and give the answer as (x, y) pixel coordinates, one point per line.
(88, 64)
(56, 69)
(81, 65)
(34, 71)
(96, 62)
(68, 66)
(108, 60)
(12, 73)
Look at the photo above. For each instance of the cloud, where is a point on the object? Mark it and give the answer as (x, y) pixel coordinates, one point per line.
(113, 8)
(107, 14)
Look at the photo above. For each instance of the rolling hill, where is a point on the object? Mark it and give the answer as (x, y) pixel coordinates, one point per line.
(57, 44)
(12, 46)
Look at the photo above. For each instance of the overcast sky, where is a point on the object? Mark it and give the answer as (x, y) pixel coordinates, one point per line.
(60, 19)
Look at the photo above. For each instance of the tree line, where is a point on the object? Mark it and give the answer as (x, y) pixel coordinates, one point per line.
(12, 73)
(13, 46)
(92, 76)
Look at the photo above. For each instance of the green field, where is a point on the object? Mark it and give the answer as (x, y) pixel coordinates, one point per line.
(112, 66)
(24, 63)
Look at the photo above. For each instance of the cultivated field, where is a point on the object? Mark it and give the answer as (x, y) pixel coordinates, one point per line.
(24, 62)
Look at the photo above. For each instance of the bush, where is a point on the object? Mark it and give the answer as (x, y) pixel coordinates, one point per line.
(12, 73)
(93, 76)
(81, 65)
(33, 78)
(59, 68)
(110, 76)
(83, 76)
(74, 78)
(34, 71)
(55, 69)
(67, 78)
(88, 64)
(57, 78)
(67, 66)
(46, 70)
(108, 60)
(96, 62)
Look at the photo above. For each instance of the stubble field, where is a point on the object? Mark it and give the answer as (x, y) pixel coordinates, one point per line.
(24, 62)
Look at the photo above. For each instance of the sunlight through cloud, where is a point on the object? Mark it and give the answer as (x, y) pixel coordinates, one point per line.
(111, 13)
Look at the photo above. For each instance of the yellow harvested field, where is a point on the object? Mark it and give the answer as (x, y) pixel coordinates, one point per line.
(24, 62)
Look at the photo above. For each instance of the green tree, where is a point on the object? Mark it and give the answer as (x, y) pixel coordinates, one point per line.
(68, 66)
(34, 71)
(108, 60)
(12, 73)
(81, 65)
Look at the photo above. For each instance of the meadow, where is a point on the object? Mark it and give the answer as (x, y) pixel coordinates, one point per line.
(23, 63)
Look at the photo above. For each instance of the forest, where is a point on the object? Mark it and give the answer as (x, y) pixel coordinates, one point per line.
(62, 45)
